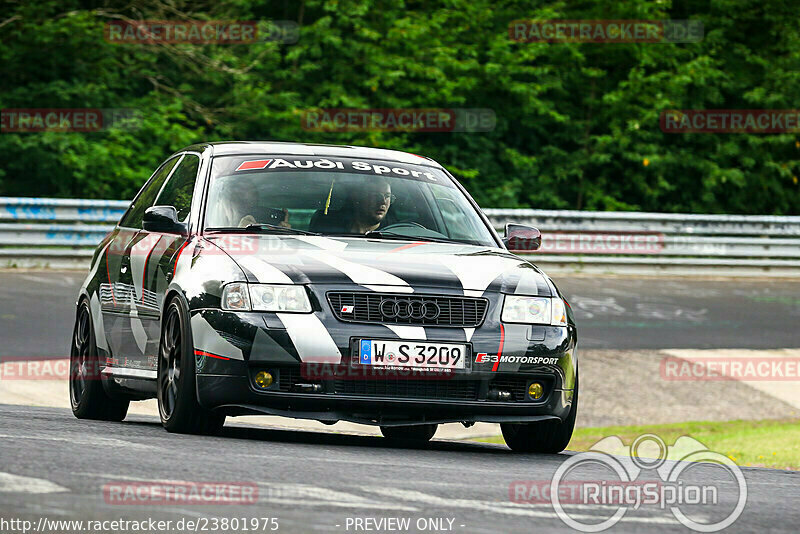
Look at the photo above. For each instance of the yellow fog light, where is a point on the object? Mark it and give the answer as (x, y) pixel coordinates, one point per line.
(263, 379)
(536, 391)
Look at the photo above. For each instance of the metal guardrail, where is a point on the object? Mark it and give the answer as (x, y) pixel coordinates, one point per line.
(43, 232)
(683, 244)
(57, 209)
(667, 223)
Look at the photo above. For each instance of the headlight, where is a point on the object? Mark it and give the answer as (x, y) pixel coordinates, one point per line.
(279, 298)
(236, 297)
(261, 297)
(534, 310)
(559, 313)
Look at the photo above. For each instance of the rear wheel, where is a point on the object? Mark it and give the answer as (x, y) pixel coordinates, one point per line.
(543, 436)
(177, 388)
(416, 433)
(86, 394)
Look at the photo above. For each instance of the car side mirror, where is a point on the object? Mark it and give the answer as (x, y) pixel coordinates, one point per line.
(521, 238)
(162, 219)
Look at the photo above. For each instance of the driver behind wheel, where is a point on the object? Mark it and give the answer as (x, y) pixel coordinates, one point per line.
(364, 210)
(369, 206)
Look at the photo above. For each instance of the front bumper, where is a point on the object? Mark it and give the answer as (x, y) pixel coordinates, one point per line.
(235, 395)
(502, 356)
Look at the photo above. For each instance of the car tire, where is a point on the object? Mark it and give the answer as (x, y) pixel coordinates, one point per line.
(87, 397)
(415, 433)
(177, 387)
(548, 437)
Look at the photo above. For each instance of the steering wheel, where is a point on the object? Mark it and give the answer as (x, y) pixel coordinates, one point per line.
(401, 224)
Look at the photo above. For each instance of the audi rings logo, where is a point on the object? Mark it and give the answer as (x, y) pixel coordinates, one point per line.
(410, 309)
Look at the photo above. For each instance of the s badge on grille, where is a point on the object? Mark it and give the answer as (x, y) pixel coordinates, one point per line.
(348, 309)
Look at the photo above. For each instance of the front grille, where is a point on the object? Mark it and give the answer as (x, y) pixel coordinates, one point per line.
(415, 389)
(369, 308)
(432, 388)
(288, 377)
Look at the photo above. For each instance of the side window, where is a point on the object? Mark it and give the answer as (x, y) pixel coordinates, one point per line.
(180, 187)
(147, 196)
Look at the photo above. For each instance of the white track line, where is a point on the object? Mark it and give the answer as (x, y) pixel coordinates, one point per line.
(18, 484)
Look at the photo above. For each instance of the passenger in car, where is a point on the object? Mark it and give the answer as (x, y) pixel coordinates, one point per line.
(241, 212)
(272, 218)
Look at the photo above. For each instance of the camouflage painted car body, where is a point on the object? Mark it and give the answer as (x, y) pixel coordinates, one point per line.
(134, 273)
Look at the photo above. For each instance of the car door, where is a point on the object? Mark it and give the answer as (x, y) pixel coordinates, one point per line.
(151, 261)
(118, 294)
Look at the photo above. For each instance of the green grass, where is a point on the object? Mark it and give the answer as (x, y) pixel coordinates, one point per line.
(765, 443)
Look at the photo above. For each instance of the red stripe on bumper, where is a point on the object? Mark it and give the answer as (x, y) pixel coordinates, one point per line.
(210, 355)
(500, 349)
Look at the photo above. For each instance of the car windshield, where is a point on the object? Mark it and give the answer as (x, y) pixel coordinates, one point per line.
(340, 196)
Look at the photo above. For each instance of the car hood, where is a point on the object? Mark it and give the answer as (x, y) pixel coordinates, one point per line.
(381, 265)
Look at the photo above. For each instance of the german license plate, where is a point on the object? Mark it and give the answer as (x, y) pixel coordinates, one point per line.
(415, 354)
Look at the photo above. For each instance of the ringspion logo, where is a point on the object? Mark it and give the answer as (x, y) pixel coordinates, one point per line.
(580, 491)
(646, 474)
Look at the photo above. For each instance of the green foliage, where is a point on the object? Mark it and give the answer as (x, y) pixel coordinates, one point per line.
(577, 123)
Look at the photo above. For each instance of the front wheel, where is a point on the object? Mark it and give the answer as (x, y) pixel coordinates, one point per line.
(87, 397)
(177, 388)
(549, 437)
(414, 433)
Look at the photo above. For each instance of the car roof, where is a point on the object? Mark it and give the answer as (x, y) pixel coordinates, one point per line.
(234, 148)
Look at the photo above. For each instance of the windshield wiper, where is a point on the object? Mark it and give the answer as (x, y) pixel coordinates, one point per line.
(260, 228)
(264, 226)
(391, 235)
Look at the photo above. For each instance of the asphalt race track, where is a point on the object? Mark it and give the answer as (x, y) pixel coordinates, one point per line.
(37, 312)
(314, 482)
(56, 467)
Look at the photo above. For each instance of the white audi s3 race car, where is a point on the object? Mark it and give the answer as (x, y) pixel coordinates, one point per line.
(322, 282)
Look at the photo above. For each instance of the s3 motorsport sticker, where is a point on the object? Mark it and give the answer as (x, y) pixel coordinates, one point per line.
(483, 357)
